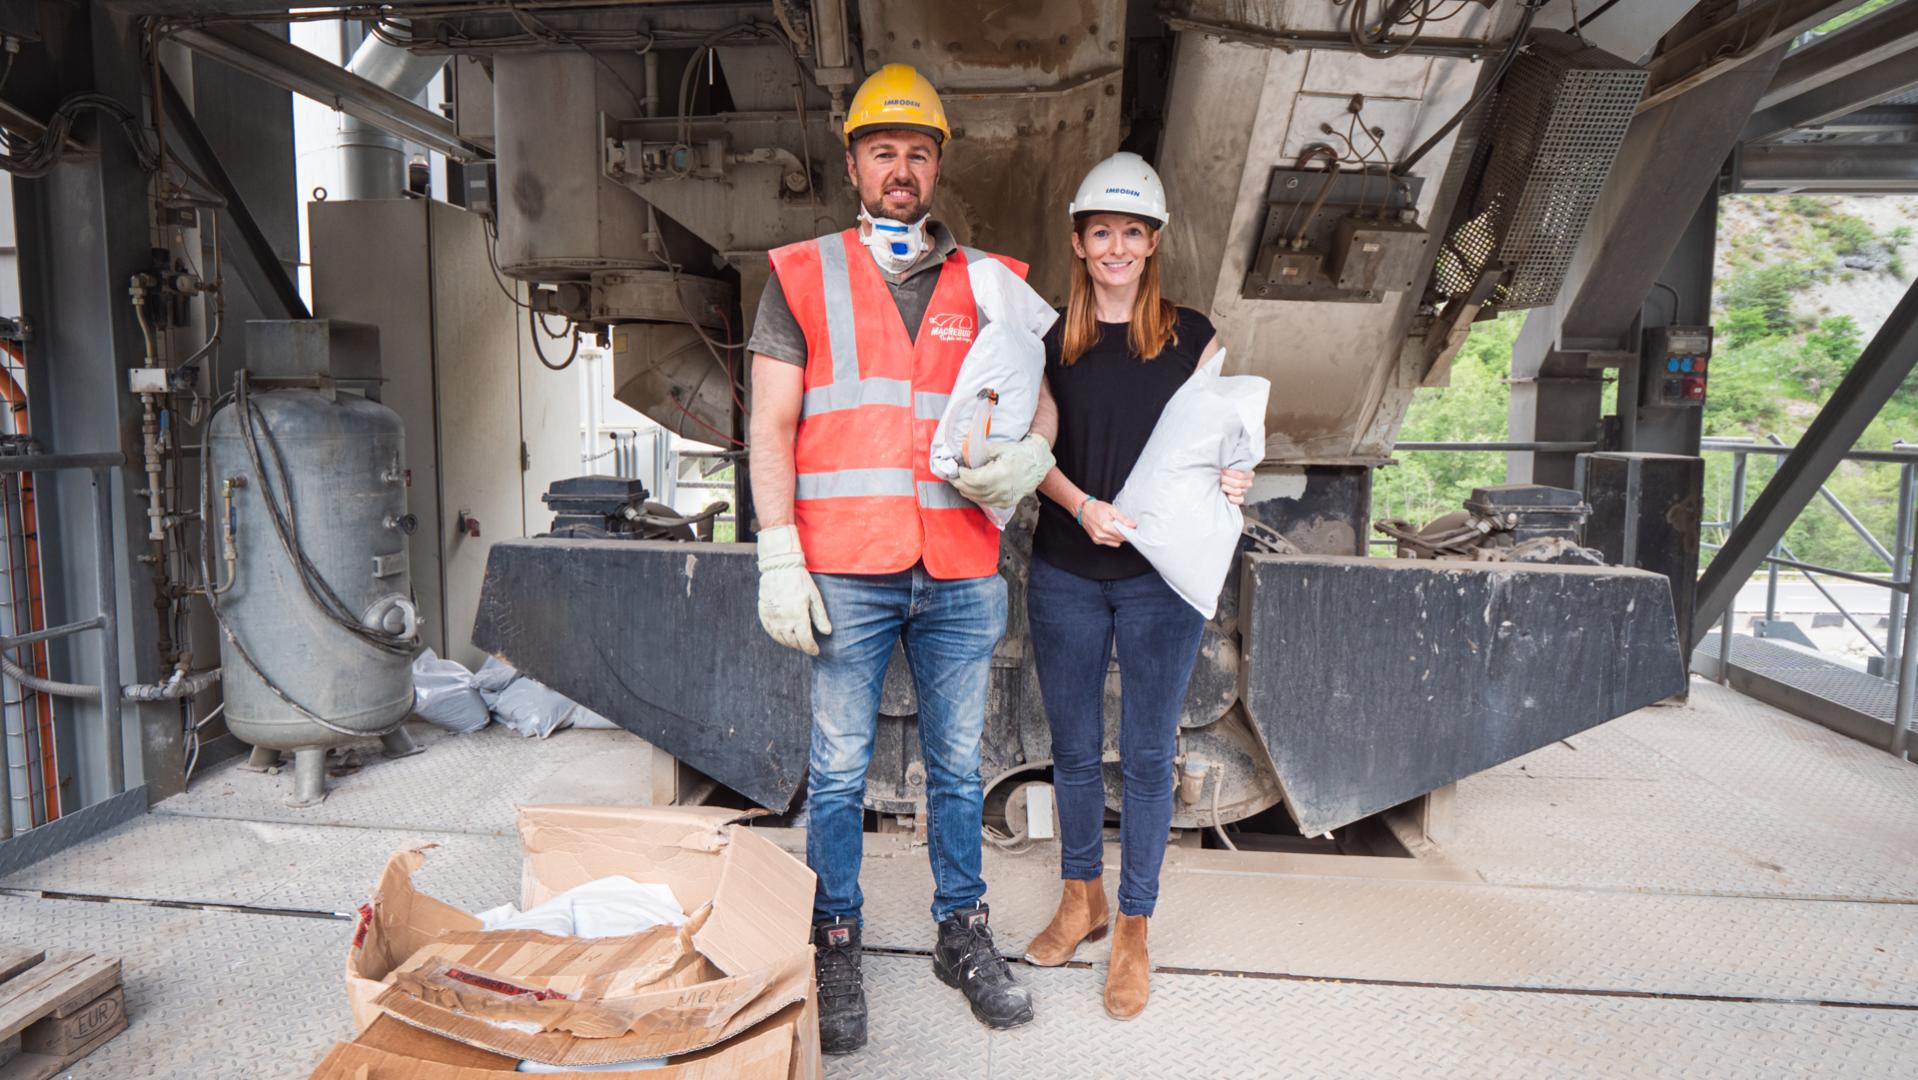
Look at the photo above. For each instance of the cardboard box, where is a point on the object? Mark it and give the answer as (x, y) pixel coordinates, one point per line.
(763, 1053)
(742, 964)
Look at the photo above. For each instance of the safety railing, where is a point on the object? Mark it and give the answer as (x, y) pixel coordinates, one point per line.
(106, 690)
(1899, 650)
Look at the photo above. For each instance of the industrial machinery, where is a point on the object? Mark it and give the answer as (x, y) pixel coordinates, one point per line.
(312, 594)
(1343, 225)
(1356, 184)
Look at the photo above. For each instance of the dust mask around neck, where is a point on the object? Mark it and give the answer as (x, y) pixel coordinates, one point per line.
(895, 246)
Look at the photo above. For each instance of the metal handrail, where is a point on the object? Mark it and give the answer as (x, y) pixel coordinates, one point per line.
(101, 466)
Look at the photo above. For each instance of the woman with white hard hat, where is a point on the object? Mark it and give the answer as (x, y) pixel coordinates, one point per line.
(1112, 362)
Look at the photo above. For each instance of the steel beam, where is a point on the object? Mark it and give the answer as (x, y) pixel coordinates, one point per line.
(1883, 168)
(1866, 86)
(1871, 120)
(1879, 372)
(254, 261)
(1861, 45)
(290, 67)
(1730, 44)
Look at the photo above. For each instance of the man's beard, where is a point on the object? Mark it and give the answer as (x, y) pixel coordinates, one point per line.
(879, 208)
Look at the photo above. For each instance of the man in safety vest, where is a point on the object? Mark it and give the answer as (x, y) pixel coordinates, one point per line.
(856, 346)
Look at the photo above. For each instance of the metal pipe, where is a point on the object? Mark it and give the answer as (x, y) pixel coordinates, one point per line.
(1731, 605)
(372, 161)
(49, 633)
(1894, 456)
(1862, 579)
(6, 766)
(109, 630)
(52, 687)
(1900, 571)
(55, 462)
(649, 105)
(180, 685)
(1537, 447)
(290, 67)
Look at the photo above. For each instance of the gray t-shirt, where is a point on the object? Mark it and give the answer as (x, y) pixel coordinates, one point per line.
(776, 332)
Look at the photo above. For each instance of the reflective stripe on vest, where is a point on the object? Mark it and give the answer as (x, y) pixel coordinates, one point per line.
(865, 499)
(847, 390)
(853, 484)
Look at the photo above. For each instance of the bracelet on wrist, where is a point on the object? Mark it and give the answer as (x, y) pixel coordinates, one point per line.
(1080, 517)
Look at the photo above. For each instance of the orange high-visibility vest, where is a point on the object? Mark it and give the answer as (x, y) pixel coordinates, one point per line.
(865, 497)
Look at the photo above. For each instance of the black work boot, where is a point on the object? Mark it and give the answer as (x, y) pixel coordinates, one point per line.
(842, 991)
(966, 958)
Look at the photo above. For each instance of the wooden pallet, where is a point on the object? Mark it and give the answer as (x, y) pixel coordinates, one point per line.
(55, 1009)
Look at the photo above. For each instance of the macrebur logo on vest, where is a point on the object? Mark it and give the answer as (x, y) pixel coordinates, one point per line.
(950, 326)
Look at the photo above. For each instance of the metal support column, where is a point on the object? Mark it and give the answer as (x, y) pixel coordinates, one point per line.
(1900, 570)
(110, 706)
(1731, 614)
(1878, 373)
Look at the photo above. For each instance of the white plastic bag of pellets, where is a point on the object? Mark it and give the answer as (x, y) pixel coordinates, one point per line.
(447, 695)
(1187, 528)
(997, 391)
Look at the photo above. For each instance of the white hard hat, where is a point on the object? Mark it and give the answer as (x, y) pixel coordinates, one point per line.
(1122, 184)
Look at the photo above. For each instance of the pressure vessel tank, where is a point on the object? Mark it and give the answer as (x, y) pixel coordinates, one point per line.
(328, 468)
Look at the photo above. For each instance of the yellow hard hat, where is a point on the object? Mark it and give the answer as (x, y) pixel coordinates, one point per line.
(897, 97)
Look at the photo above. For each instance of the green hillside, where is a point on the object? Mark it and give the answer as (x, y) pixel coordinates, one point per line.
(1802, 284)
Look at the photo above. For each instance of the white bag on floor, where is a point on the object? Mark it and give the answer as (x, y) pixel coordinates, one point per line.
(1187, 528)
(997, 391)
(604, 907)
(446, 695)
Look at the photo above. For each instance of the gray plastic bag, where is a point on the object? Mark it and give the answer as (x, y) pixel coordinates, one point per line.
(447, 695)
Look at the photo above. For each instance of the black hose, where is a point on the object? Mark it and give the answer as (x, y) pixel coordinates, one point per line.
(1600, 10)
(1504, 62)
(285, 525)
(538, 328)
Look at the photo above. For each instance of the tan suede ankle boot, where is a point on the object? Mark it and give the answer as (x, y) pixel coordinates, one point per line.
(1129, 976)
(1082, 916)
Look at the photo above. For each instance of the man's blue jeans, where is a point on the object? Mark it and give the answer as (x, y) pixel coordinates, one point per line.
(1075, 623)
(949, 629)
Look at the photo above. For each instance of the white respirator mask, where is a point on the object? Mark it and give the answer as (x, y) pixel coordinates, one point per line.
(895, 246)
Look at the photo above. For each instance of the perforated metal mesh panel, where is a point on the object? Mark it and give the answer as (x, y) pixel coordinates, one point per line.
(1552, 131)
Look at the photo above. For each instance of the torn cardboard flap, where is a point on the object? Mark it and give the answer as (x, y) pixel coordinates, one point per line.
(665, 992)
(765, 1055)
(397, 922)
(761, 896)
(687, 1023)
(568, 846)
(598, 988)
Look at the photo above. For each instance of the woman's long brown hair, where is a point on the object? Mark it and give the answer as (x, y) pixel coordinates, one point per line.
(1154, 323)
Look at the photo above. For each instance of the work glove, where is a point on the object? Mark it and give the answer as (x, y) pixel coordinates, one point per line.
(1012, 473)
(789, 603)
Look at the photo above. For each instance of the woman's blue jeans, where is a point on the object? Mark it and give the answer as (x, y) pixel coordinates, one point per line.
(1075, 623)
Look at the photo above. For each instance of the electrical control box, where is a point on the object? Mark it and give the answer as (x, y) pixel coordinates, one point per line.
(1677, 366)
(1372, 256)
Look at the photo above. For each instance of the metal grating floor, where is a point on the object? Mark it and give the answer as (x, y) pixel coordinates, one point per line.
(1714, 889)
(1842, 686)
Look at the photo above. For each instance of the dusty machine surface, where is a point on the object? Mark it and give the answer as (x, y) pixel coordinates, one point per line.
(1345, 210)
(314, 597)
